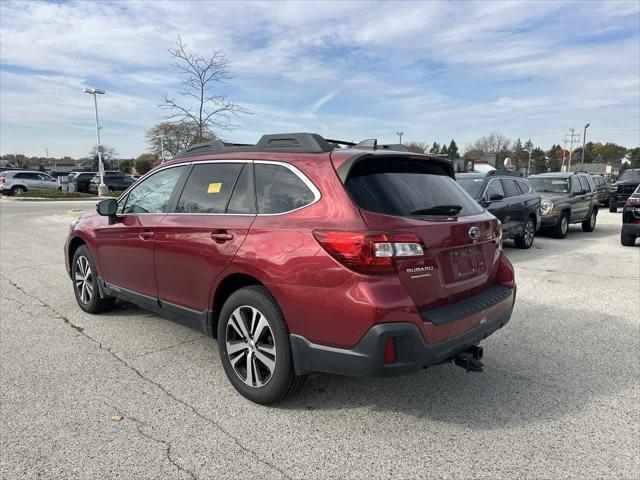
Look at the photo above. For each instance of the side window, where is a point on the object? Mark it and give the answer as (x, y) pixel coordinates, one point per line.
(575, 185)
(153, 195)
(584, 184)
(46, 178)
(280, 190)
(209, 188)
(494, 190)
(524, 186)
(510, 188)
(592, 184)
(243, 198)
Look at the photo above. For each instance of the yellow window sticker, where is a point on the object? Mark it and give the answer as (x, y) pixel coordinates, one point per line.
(214, 188)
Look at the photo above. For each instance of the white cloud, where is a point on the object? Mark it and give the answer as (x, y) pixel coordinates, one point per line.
(347, 69)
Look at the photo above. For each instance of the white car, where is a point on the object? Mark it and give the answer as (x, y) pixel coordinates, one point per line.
(15, 182)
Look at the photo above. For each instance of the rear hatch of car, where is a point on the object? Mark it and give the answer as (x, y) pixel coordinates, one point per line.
(415, 199)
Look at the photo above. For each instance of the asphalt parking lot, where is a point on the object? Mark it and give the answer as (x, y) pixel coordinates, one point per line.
(559, 398)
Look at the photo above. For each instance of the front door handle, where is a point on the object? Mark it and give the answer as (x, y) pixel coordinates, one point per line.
(146, 235)
(221, 237)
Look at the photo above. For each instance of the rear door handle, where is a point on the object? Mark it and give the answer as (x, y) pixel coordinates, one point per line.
(221, 237)
(146, 235)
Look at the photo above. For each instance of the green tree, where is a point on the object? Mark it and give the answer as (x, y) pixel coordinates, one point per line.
(609, 153)
(443, 149)
(538, 160)
(125, 166)
(145, 162)
(452, 151)
(435, 148)
(417, 147)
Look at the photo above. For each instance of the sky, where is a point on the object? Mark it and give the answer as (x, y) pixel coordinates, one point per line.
(347, 70)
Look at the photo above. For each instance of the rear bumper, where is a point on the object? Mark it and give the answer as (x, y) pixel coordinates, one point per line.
(413, 353)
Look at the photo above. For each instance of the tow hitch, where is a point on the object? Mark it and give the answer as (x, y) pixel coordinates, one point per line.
(470, 359)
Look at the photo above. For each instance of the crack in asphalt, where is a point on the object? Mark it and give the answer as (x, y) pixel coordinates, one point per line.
(139, 424)
(550, 270)
(176, 399)
(169, 347)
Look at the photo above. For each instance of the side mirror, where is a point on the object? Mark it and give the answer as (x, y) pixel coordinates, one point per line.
(496, 196)
(108, 207)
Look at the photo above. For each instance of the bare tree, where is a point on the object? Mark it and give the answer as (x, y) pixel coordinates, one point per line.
(492, 143)
(175, 136)
(209, 112)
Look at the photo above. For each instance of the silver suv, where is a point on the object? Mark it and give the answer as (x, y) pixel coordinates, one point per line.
(15, 182)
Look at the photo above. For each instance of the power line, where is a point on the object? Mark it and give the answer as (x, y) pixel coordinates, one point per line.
(571, 138)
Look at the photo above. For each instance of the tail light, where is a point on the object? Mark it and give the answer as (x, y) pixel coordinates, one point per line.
(2, 180)
(369, 252)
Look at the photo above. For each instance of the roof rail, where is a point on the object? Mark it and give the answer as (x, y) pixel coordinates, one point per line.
(281, 142)
(508, 173)
(285, 142)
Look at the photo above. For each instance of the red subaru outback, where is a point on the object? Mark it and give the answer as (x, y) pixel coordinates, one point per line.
(365, 260)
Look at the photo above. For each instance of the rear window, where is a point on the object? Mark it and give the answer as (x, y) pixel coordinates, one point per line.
(510, 188)
(472, 185)
(404, 187)
(279, 189)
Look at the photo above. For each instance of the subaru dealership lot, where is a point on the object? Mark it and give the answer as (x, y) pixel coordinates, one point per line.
(130, 395)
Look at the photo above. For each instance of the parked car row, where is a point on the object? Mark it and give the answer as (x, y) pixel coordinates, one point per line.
(16, 182)
(547, 201)
(631, 219)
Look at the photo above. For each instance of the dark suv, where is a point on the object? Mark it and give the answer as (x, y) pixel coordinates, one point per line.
(115, 182)
(602, 189)
(623, 187)
(510, 198)
(302, 258)
(631, 219)
(81, 181)
(566, 198)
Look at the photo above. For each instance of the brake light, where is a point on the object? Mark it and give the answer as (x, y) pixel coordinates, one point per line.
(1, 179)
(369, 252)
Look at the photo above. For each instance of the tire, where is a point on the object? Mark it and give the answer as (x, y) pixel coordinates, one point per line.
(589, 224)
(627, 239)
(260, 369)
(612, 205)
(85, 283)
(561, 229)
(18, 190)
(528, 234)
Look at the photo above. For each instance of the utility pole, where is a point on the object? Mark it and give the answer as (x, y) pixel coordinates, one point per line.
(571, 138)
(159, 137)
(400, 134)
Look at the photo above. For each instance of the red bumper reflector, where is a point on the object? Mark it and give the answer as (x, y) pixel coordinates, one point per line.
(389, 351)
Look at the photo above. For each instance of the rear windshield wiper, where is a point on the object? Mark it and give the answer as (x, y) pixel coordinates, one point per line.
(438, 210)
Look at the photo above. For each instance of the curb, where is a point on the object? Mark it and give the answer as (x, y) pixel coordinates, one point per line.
(40, 199)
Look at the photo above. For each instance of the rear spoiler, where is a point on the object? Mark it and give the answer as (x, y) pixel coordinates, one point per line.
(344, 169)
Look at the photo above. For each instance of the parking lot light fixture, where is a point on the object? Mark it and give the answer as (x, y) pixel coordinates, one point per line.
(584, 142)
(102, 188)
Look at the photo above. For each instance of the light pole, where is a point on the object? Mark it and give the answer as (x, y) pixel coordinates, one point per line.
(102, 188)
(584, 142)
(161, 148)
(529, 165)
(400, 134)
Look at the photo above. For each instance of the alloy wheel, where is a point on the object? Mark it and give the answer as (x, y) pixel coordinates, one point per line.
(250, 346)
(592, 220)
(565, 224)
(529, 233)
(84, 279)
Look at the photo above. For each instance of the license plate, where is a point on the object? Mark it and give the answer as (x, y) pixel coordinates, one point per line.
(467, 262)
